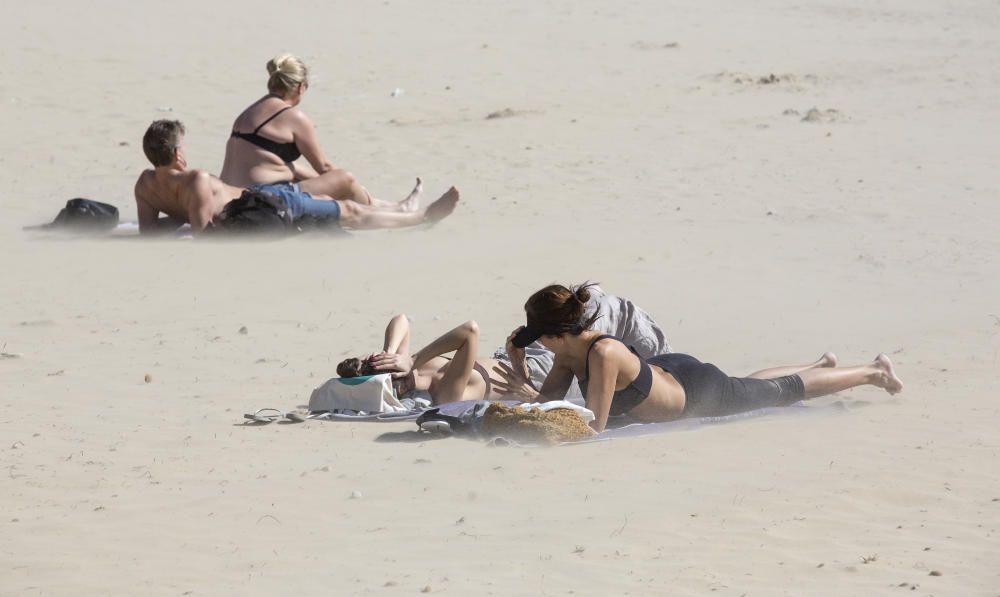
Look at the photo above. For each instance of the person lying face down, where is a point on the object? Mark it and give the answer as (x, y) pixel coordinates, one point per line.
(447, 379)
(616, 381)
(196, 197)
(615, 315)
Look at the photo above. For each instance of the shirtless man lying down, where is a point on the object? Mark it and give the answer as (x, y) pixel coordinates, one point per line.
(197, 197)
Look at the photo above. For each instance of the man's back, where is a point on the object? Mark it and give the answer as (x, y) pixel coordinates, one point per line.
(192, 196)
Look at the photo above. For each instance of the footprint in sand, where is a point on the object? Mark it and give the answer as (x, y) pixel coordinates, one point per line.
(646, 45)
(505, 113)
(786, 80)
(822, 116)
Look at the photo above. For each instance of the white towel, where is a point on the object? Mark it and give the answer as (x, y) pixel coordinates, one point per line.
(362, 395)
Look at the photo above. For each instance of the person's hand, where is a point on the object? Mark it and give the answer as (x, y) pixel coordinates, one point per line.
(397, 364)
(514, 385)
(517, 355)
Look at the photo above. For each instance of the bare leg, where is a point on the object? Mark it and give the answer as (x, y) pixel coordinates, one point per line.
(343, 186)
(353, 215)
(464, 341)
(824, 381)
(827, 360)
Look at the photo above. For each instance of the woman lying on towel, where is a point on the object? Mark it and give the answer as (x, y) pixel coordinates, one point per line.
(446, 379)
(615, 381)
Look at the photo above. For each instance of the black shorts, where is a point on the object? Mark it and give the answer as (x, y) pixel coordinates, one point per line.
(711, 393)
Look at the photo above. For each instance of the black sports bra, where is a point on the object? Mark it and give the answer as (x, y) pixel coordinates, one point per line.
(631, 395)
(288, 152)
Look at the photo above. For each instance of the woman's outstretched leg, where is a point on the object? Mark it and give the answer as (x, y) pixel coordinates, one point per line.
(342, 185)
(823, 381)
(354, 215)
(827, 360)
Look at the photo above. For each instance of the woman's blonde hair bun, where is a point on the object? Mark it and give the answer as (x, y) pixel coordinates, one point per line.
(285, 73)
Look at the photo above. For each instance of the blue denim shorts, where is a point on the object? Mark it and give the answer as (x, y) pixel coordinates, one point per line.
(300, 203)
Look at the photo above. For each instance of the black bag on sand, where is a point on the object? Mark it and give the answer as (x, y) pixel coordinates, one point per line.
(255, 212)
(86, 215)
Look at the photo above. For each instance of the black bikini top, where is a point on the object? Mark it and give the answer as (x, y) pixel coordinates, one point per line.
(288, 152)
(631, 395)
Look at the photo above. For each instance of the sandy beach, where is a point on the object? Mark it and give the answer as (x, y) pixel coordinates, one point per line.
(769, 180)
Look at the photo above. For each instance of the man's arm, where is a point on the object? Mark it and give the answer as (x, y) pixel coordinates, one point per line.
(149, 216)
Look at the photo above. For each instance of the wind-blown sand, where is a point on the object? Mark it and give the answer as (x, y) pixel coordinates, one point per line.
(645, 145)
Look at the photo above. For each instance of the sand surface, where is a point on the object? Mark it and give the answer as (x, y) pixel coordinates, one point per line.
(644, 145)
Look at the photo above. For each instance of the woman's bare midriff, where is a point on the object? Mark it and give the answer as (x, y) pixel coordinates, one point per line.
(266, 167)
(665, 401)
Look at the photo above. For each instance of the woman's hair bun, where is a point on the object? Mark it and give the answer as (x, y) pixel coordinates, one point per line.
(285, 72)
(582, 292)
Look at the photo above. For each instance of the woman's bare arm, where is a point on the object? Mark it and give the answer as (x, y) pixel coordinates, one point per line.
(557, 382)
(397, 335)
(604, 366)
(304, 133)
(395, 355)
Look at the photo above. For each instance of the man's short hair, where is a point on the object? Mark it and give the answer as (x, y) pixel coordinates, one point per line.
(161, 141)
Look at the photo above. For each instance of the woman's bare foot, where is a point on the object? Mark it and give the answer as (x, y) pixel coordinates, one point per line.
(442, 207)
(827, 360)
(887, 379)
(412, 201)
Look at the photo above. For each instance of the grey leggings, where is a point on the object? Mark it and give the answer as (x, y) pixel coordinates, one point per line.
(711, 393)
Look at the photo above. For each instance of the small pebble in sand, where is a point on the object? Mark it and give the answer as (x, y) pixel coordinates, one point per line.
(244, 330)
(426, 589)
(147, 378)
(389, 583)
(935, 573)
(356, 495)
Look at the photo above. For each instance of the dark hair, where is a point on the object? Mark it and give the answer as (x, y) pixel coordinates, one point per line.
(355, 367)
(556, 310)
(161, 141)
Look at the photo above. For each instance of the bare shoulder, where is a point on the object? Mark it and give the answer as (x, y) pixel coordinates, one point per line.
(297, 117)
(610, 350)
(195, 178)
(143, 183)
(145, 179)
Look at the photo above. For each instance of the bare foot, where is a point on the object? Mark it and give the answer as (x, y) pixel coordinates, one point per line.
(442, 207)
(827, 360)
(887, 380)
(412, 201)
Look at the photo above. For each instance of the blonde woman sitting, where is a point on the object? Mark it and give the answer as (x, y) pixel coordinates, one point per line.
(270, 136)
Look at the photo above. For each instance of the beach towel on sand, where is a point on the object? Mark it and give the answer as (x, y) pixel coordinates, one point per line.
(466, 420)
